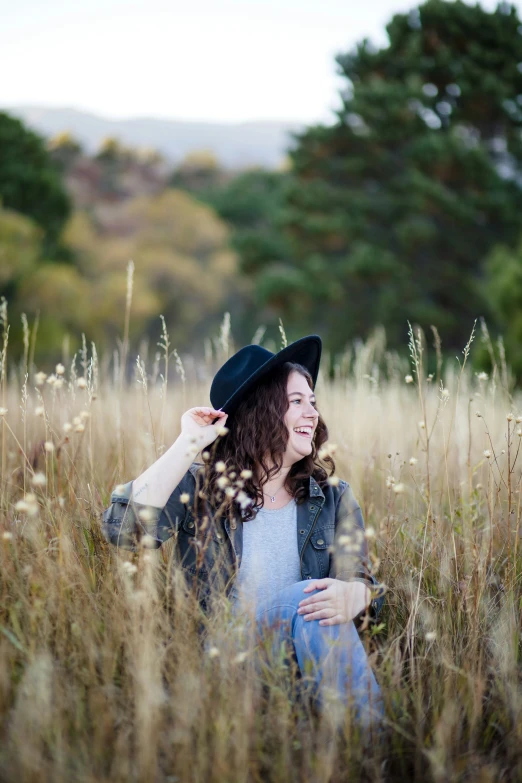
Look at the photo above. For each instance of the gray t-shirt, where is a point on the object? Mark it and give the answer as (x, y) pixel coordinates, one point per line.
(270, 559)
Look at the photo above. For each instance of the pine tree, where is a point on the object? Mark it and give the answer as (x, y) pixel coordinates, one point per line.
(394, 208)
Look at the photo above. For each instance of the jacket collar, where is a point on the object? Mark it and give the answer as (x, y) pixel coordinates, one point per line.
(314, 489)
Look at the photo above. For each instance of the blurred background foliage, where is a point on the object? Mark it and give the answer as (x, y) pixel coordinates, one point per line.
(406, 207)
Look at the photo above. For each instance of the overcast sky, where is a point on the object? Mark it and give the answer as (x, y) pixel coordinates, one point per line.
(224, 60)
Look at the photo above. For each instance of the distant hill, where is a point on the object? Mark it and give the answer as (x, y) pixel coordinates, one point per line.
(242, 144)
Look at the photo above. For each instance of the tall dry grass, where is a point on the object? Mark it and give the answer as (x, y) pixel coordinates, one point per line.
(103, 673)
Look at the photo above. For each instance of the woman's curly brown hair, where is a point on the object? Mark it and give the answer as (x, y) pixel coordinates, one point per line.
(257, 430)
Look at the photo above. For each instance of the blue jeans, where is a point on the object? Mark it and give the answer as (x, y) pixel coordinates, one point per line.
(331, 658)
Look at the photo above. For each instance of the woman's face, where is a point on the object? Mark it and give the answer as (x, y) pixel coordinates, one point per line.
(301, 415)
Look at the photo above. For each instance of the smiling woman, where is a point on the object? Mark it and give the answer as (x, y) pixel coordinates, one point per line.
(264, 519)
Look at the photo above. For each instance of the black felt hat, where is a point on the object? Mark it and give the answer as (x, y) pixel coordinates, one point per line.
(250, 364)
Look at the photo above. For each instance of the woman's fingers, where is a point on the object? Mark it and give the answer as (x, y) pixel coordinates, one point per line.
(322, 614)
(313, 607)
(337, 620)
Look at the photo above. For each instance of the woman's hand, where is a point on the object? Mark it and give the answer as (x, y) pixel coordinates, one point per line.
(197, 423)
(338, 602)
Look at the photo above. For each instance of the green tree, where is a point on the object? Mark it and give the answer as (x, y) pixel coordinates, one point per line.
(390, 211)
(503, 288)
(253, 204)
(29, 182)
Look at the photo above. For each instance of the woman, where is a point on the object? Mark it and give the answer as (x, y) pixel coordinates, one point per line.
(262, 519)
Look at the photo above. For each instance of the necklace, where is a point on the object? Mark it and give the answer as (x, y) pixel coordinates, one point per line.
(273, 497)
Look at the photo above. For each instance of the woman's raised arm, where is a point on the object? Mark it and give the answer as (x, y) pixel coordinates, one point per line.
(136, 506)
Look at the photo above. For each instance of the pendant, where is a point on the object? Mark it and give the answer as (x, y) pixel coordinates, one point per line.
(272, 498)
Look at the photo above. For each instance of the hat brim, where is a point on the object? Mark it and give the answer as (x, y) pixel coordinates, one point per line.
(306, 351)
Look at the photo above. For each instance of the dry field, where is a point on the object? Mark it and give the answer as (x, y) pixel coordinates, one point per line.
(103, 676)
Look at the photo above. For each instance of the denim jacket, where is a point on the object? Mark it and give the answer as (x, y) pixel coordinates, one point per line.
(330, 535)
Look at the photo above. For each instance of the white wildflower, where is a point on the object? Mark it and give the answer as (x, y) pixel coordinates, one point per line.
(206, 455)
(399, 489)
(67, 427)
(430, 636)
(222, 482)
(220, 467)
(39, 411)
(230, 492)
(369, 532)
(84, 415)
(51, 380)
(510, 416)
(519, 432)
(344, 540)
(413, 461)
(146, 515)
(333, 481)
(422, 425)
(487, 453)
(49, 446)
(59, 369)
(81, 382)
(246, 474)
(76, 420)
(240, 657)
(129, 567)
(409, 378)
(79, 428)
(3, 411)
(184, 497)
(213, 652)
(518, 419)
(58, 383)
(390, 481)
(148, 542)
(40, 378)
(222, 430)
(445, 393)
(482, 376)
(7, 535)
(38, 480)
(243, 500)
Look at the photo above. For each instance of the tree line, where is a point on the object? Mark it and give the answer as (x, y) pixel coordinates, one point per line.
(405, 207)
